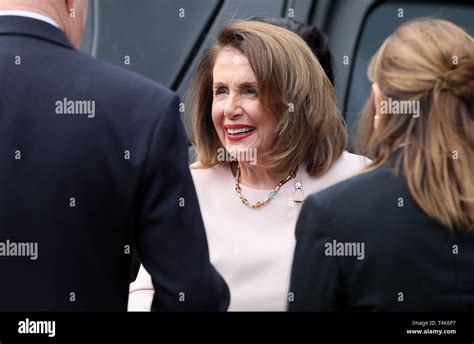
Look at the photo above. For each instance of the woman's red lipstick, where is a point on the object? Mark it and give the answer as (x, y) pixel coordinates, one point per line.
(236, 132)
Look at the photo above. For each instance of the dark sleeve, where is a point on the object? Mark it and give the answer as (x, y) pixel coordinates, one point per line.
(171, 240)
(315, 277)
(135, 265)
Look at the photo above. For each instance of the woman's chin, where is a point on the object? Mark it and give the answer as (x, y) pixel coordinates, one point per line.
(242, 153)
(232, 147)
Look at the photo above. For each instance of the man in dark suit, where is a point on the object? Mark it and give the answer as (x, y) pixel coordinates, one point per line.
(365, 245)
(93, 160)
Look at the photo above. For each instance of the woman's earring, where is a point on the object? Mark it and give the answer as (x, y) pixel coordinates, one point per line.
(377, 121)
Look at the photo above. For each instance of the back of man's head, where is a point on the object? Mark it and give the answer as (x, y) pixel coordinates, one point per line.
(70, 15)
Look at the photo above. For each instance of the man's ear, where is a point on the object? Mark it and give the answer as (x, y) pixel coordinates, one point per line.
(70, 5)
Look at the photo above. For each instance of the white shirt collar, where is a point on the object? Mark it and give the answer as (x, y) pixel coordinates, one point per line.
(29, 14)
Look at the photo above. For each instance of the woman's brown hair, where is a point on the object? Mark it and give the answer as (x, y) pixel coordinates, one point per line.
(429, 61)
(291, 84)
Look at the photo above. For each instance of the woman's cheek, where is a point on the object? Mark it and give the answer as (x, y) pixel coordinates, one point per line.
(217, 120)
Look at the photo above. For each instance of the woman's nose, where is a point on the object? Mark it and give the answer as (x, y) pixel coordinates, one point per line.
(232, 107)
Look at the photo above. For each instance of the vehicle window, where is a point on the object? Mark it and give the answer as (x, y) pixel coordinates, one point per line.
(379, 24)
(153, 38)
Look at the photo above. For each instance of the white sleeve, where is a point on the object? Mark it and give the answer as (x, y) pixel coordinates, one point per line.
(141, 292)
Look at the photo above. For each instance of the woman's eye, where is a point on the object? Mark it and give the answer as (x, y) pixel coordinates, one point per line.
(219, 90)
(251, 90)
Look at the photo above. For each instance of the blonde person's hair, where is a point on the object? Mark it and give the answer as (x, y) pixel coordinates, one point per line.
(292, 86)
(430, 61)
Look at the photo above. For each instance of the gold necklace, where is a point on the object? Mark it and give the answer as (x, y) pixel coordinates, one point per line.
(271, 195)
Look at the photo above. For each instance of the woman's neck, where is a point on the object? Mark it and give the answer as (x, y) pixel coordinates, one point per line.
(257, 176)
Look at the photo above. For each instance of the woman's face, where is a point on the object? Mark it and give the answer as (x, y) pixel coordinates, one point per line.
(241, 122)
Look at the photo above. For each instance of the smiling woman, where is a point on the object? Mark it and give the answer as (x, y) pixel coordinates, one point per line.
(241, 121)
(259, 89)
(264, 73)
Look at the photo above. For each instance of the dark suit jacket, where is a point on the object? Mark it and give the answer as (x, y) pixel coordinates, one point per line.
(410, 262)
(87, 186)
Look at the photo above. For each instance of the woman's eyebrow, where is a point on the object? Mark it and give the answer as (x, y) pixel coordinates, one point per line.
(242, 84)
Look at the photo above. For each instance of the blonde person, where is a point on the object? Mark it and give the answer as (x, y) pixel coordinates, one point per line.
(400, 236)
(267, 133)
